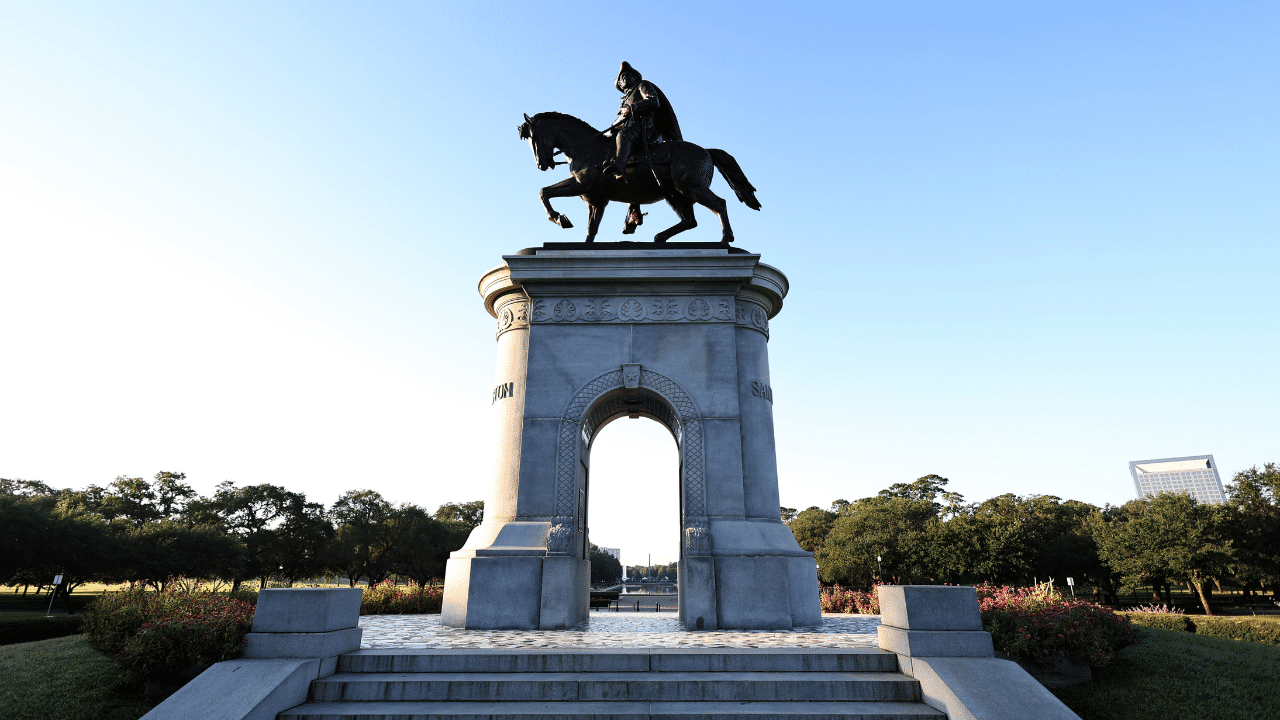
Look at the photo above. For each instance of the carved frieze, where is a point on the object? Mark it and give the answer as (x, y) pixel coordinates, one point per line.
(513, 316)
(750, 312)
(637, 309)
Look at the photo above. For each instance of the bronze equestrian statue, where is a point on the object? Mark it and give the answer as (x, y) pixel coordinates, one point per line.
(668, 168)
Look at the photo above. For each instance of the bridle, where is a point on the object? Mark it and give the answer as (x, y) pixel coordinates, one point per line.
(526, 133)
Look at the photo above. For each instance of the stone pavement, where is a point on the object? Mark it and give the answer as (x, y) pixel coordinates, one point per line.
(605, 629)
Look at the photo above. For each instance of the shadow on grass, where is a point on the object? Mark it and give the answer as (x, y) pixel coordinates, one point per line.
(64, 679)
(1180, 675)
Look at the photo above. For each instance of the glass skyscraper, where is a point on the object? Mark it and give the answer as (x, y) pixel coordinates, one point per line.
(1197, 476)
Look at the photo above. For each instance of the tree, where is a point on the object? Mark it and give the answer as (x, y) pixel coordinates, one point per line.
(250, 514)
(364, 542)
(165, 549)
(1167, 536)
(605, 568)
(297, 547)
(468, 515)
(422, 544)
(901, 530)
(811, 527)
(1252, 521)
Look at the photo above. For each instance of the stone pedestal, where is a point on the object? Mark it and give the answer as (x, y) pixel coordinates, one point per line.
(587, 335)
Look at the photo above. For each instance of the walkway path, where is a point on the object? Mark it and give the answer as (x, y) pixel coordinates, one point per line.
(615, 630)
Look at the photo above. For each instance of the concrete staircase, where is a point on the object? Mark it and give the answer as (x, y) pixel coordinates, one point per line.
(615, 683)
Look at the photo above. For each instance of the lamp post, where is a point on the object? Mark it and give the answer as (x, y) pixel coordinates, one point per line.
(879, 571)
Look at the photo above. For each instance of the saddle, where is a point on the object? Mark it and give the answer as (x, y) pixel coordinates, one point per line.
(659, 154)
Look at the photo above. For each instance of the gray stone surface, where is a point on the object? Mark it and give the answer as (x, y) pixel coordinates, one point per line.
(611, 711)
(306, 610)
(984, 689)
(609, 631)
(691, 328)
(936, 643)
(929, 607)
(932, 631)
(302, 645)
(249, 689)
(689, 686)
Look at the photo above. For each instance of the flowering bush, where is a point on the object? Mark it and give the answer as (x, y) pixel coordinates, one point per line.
(386, 598)
(836, 599)
(1035, 624)
(170, 635)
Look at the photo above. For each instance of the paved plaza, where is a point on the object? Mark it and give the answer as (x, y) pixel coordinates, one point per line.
(607, 629)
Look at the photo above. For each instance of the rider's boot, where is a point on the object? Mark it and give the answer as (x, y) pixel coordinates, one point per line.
(634, 220)
(615, 167)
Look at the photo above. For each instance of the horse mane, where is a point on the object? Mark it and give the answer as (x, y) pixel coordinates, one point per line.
(586, 126)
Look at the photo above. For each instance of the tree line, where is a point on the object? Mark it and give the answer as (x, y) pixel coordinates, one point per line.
(138, 530)
(921, 533)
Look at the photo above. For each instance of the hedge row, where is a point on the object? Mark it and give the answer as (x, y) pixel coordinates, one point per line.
(1232, 628)
(38, 628)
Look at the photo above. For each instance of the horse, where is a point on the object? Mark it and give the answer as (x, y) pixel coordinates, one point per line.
(681, 175)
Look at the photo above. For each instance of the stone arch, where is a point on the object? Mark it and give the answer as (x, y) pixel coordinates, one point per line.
(606, 398)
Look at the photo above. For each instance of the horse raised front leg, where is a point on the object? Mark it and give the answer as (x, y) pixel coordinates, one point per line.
(569, 187)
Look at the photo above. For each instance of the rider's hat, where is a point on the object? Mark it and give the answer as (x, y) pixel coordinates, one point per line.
(626, 70)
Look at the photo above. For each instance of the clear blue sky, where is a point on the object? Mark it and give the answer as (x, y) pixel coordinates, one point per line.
(1028, 243)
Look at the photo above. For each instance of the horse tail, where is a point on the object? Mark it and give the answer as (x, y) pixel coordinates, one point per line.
(733, 174)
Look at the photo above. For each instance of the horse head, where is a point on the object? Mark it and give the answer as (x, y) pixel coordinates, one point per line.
(543, 152)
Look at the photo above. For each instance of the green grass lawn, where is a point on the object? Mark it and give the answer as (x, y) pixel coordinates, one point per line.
(1180, 675)
(64, 679)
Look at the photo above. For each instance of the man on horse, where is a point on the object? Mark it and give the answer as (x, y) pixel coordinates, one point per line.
(646, 115)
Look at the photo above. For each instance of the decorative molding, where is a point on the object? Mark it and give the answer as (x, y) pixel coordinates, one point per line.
(697, 536)
(513, 315)
(630, 375)
(638, 309)
(560, 541)
(679, 414)
(751, 311)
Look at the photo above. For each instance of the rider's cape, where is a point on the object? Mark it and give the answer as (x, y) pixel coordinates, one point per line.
(664, 118)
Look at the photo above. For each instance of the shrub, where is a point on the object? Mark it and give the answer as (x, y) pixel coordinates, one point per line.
(1035, 624)
(1239, 628)
(836, 599)
(167, 636)
(1161, 621)
(38, 628)
(386, 598)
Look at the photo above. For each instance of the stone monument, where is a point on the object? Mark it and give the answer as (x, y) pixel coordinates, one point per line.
(587, 334)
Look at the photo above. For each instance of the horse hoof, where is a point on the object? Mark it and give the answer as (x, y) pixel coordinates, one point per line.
(564, 222)
(629, 230)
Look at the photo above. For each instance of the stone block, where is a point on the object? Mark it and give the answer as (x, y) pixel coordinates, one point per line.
(306, 610)
(936, 643)
(753, 592)
(929, 607)
(302, 644)
(245, 689)
(566, 587)
(697, 593)
(802, 582)
(493, 593)
(984, 689)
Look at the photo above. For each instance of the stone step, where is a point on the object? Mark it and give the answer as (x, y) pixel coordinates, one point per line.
(620, 660)
(610, 711)
(618, 686)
